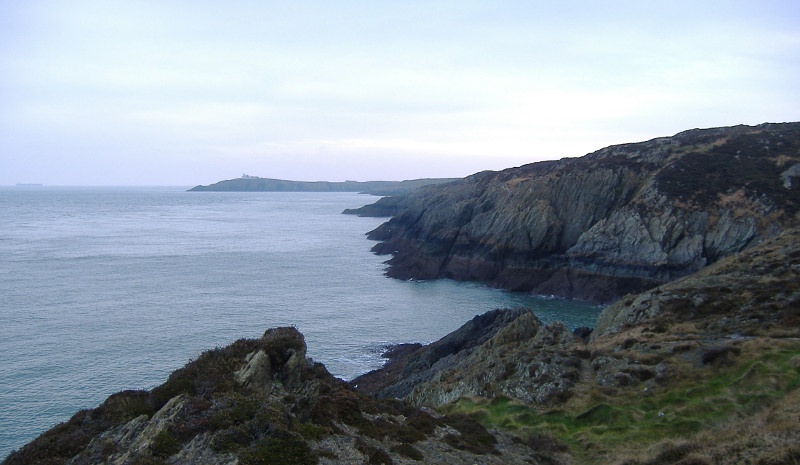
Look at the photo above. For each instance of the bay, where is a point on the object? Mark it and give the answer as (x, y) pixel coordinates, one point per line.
(106, 289)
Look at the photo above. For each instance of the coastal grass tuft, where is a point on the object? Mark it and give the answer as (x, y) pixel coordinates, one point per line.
(287, 450)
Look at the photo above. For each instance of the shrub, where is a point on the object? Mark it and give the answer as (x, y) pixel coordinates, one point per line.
(164, 445)
(473, 436)
(285, 450)
(407, 450)
(375, 456)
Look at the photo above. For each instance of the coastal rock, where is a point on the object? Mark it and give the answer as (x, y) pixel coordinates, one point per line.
(620, 220)
(262, 401)
(501, 353)
(417, 364)
(755, 291)
(525, 361)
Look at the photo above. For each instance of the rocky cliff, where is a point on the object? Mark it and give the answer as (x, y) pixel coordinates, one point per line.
(622, 219)
(705, 369)
(264, 402)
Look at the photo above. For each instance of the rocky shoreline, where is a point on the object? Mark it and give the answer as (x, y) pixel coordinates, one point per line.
(620, 220)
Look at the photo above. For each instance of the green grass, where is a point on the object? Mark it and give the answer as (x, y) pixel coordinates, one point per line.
(626, 422)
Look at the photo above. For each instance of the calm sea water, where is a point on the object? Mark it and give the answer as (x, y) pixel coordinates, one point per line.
(106, 289)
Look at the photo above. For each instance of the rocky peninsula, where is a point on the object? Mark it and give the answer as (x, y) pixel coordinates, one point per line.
(623, 219)
(256, 184)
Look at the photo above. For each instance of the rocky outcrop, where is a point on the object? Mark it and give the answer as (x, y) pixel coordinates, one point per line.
(416, 364)
(262, 401)
(526, 361)
(620, 220)
(514, 355)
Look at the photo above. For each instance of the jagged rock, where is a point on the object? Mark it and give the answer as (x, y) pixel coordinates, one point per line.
(501, 353)
(525, 361)
(416, 364)
(620, 220)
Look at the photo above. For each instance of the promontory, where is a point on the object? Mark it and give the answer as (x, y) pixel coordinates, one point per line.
(623, 219)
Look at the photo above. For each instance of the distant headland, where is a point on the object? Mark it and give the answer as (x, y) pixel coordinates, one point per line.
(248, 183)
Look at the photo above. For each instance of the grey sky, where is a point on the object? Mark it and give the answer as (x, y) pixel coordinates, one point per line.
(191, 92)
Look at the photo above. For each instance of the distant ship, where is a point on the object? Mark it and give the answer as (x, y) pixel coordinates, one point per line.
(20, 184)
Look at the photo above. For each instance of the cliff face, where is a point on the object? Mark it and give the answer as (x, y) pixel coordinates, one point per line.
(619, 220)
(754, 294)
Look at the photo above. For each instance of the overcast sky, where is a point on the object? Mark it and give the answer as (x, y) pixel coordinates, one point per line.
(192, 92)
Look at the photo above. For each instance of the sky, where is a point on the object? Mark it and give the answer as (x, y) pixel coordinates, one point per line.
(182, 93)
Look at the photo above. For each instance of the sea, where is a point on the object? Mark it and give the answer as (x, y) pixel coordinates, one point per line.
(109, 289)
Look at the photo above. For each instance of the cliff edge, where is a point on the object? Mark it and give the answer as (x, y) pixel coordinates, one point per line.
(620, 220)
